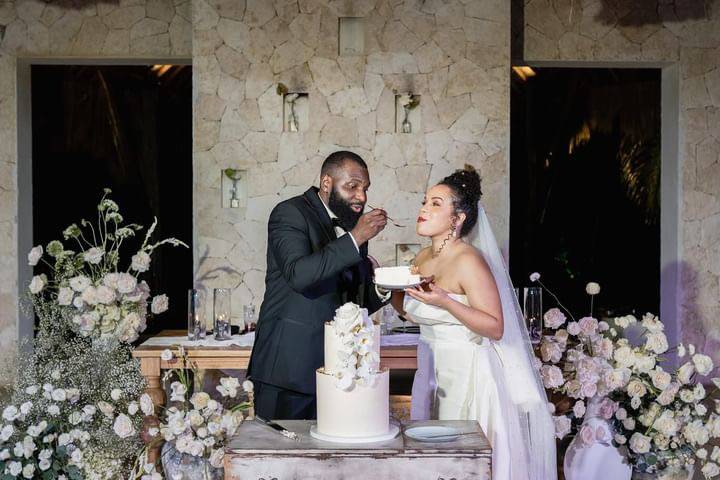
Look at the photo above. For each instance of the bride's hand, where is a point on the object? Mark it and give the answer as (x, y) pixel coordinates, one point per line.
(435, 296)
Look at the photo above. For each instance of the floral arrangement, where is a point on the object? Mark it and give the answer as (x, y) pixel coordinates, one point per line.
(73, 413)
(359, 361)
(197, 424)
(656, 418)
(409, 101)
(87, 286)
(663, 418)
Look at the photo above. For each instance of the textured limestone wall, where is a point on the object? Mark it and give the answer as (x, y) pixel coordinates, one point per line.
(455, 54)
(87, 29)
(686, 33)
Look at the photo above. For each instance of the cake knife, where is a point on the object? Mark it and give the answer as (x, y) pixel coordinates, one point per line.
(276, 426)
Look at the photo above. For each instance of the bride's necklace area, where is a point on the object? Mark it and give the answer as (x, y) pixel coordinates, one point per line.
(436, 253)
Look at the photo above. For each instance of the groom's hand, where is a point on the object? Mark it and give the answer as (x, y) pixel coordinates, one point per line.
(369, 225)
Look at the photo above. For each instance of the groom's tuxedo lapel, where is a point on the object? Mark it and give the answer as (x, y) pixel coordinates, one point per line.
(318, 209)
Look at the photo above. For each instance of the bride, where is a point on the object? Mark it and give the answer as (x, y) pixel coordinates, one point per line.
(470, 319)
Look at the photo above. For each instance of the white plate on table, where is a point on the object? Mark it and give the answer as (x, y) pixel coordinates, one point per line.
(433, 433)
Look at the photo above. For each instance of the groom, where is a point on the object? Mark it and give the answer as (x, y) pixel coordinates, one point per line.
(316, 261)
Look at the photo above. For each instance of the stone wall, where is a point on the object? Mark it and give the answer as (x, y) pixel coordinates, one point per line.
(686, 33)
(455, 54)
(86, 29)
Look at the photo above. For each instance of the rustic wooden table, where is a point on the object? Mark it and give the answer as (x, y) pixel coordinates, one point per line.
(259, 453)
(233, 357)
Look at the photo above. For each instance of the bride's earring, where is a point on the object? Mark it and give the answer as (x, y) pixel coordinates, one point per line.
(454, 227)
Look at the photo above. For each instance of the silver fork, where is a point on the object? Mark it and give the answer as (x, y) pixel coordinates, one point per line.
(391, 220)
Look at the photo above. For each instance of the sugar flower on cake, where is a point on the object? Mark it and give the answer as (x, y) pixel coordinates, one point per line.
(357, 355)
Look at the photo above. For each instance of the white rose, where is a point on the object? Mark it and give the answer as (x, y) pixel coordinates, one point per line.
(115, 394)
(28, 470)
(200, 400)
(636, 388)
(34, 255)
(65, 296)
(701, 453)
(59, 395)
(703, 363)
(621, 414)
(624, 356)
(550, 351)
(629, 423)
(6, 433)
(106, 408)
(195, 418)
(592, 288)
(660, 379)
(635, 402)
(534, 277)
(10, 413)
(132, 408)
(666, 424)
(699, 392)
(685, 372)
(140, 262)
(624, 322)
(644, 363)
(620, 439)
(79, 283)
(146, 404)
(126, 283)
(15, 468)
(105, 295)
(247, 386)
(37, 283)
(579, 409)
(123, 426)
(700, 409)
(554, 318)
(657, 342)
(94, 255)
(687, 396)
(166, 355)
(639, 443)
(53, 410)
(552, 376)
(159, 304)
(89, 295)
(111, 280)
(44, 464)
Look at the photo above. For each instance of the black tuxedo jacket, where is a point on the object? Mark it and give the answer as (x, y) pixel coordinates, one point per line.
(310, 273)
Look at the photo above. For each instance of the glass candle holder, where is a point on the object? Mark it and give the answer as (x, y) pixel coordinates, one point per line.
(196, 314)
(248, 317)
(221, 313)
(533, 313)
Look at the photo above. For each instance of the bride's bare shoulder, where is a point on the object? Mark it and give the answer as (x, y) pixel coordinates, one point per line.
(422, 255)
(470, 261)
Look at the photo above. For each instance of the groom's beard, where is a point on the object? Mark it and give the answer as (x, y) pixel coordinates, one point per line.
(342, 208)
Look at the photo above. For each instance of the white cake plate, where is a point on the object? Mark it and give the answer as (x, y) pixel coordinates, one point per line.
(398, 287)
(392, 433)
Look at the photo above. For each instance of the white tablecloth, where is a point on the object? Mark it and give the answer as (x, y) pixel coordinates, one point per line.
(401, 339)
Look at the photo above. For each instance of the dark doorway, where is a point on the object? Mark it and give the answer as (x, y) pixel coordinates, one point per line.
(128, 128)
(585, 184)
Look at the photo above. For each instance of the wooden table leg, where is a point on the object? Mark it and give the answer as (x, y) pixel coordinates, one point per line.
(150, 369)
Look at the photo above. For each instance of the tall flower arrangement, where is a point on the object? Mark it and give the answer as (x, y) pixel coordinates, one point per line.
(77, 407)
(86, 283)
(659, 418)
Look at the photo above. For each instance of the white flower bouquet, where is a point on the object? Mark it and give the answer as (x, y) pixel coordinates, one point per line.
(664, 419)
(197, 424)
(87, 286)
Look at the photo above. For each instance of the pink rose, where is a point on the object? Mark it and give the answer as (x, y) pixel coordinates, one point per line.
(587, 435)
(552, 376)
(600, 433)
(588, 390)
(608, 408)
(573, 328)
(554, 318)
(550, 351)
(588, 326)
(579, 409)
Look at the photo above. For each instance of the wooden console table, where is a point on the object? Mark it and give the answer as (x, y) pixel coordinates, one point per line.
(258, 452)
(234, 357)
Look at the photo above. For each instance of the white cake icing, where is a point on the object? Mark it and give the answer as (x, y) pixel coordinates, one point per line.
(395, 276)
(352, 391)
(360, 412)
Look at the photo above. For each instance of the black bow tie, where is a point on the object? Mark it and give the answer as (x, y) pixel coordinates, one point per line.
(336, 223)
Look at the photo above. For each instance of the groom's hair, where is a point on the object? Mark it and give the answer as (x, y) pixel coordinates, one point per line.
(335, 161)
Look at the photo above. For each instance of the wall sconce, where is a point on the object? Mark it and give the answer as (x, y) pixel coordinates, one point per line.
(234, 188)
(405, 115)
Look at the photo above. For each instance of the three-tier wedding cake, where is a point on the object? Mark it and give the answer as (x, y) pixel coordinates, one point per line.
(352, 390)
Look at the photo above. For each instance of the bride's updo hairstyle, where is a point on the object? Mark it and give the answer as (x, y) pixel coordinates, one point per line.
(465, 187)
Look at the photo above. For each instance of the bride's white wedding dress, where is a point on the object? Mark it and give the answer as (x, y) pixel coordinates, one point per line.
(494, 382)
(469, 384)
